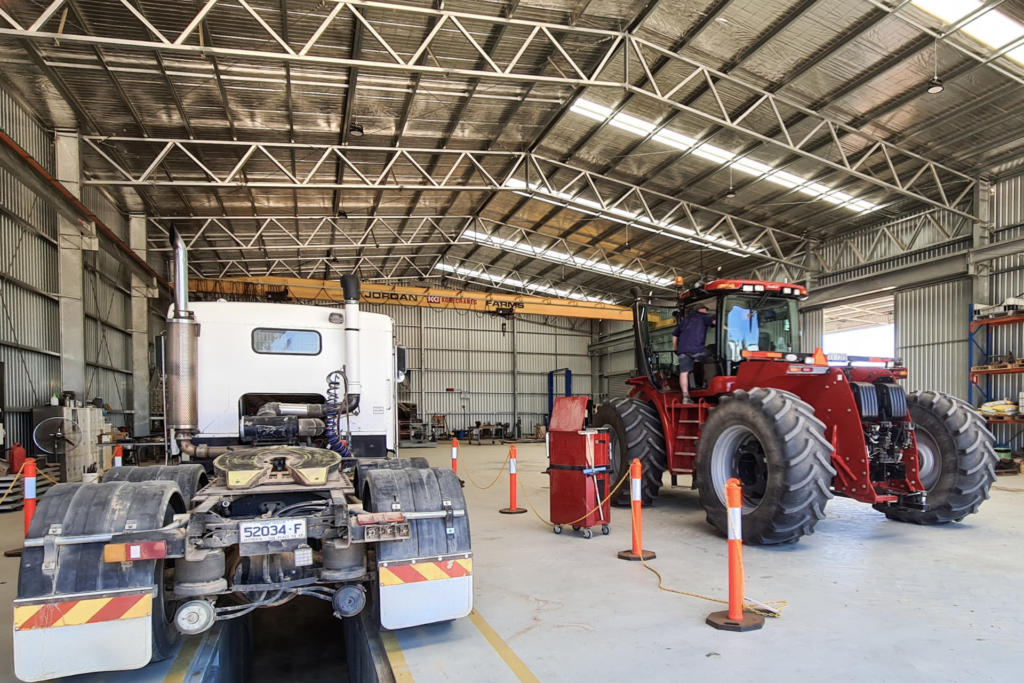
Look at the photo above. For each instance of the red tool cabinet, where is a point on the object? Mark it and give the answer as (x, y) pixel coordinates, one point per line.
(578, 465)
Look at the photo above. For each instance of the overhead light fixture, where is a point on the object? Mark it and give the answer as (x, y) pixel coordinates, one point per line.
(935, 85)
(355, 129)
(732, 190)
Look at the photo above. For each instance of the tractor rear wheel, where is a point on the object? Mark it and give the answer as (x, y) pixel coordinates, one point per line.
(771, 441)
(635, 432)
(956, 459)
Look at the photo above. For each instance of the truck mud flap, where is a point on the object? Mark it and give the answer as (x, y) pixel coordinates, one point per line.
(425, 591)
(428, 577)
(70, 634)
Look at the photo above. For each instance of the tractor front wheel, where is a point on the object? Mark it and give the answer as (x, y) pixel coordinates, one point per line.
(956, 459)
(771, 441)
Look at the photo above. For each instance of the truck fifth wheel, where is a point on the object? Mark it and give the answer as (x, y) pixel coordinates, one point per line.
(793, 428)
(294, 410)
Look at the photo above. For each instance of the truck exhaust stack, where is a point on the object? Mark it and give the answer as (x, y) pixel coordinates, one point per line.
(350, 288)
(182, 350)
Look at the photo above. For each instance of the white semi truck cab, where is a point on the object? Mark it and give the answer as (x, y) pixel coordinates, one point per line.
(285, 418)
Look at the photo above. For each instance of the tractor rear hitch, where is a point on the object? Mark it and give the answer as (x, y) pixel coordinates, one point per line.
(912, 501)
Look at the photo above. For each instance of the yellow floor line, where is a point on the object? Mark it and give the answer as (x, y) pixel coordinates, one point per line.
(517, 666)
(183, 662)
(399, 667)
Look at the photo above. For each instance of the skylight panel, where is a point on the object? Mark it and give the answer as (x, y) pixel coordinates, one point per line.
(718, 155)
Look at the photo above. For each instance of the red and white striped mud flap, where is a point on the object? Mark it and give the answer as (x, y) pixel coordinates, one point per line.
(425, 590)
(76, 633)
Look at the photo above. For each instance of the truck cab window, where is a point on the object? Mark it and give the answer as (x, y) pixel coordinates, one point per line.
(288, 342)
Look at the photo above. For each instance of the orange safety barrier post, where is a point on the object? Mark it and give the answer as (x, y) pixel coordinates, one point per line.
(513, 507)
(455, 455)
(30, 492)
(118, 456)
(637, 553)
(735, 619)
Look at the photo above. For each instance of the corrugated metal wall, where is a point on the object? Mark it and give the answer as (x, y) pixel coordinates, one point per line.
(108, 339)
(848, 256)
(615, 363)
(29, 288)
(1008, 202)
(29, 320)
(812, 330)
(474, 355)
(931, 336)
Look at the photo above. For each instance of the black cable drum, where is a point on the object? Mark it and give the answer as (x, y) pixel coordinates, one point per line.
(892, 401)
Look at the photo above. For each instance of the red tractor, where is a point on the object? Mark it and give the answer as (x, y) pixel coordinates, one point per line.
(794, 427)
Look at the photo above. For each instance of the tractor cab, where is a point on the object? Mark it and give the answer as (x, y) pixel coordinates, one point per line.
(750, 316)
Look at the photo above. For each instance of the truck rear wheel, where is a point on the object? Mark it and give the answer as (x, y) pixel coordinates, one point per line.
(636, 432)
(956, 458)
(87, 509)
(189, 478)
(771, 441)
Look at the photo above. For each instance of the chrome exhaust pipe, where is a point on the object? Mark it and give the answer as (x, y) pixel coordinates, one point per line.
(182, 349)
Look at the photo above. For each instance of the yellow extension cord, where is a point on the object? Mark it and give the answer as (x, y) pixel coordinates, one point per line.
(776, 605)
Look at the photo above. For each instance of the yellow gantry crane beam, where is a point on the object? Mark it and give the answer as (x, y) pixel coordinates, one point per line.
(300, 289)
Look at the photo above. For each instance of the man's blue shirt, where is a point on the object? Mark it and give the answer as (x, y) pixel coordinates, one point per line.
(692, 331)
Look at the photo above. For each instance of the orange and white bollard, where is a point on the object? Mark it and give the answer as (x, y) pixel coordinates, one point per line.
(30, 492)
(513, 482)
(735, 619)
(455, 455)
(118, 456)
(637, 553)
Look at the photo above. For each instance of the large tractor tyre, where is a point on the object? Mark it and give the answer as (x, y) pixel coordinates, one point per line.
(189, 478)
(956, 457)
(87, 509)
(771, 441)
(635, 432)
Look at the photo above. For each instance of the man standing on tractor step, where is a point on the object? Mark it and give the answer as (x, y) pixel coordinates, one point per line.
(688, 343)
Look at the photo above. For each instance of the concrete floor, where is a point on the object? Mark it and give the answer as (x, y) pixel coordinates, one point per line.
(869, 599)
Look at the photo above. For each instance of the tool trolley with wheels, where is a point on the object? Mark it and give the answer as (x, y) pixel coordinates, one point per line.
(578, 466)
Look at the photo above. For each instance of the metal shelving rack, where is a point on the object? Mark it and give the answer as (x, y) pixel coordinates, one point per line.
(974, 347)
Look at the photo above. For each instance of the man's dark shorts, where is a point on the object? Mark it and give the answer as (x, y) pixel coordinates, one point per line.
(688, 360)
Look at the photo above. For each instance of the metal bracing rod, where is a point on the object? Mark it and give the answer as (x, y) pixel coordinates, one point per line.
(606, 49)
(254, 266)
(325, 232)
(531, 175)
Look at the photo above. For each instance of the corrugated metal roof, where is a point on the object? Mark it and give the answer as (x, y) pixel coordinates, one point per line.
(853, 61)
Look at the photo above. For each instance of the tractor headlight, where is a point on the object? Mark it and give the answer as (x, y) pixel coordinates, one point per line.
(758, 288)
(748, 288)
(791, 357)
(787, 290)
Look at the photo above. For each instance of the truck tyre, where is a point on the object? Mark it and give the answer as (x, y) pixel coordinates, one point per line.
(957, 459)
(771, 441)
(635, 432)
(189, 478)
(85, 509)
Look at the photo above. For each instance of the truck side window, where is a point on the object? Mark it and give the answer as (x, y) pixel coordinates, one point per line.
(288, 342)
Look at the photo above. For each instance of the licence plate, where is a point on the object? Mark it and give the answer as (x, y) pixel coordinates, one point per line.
(261, 532)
